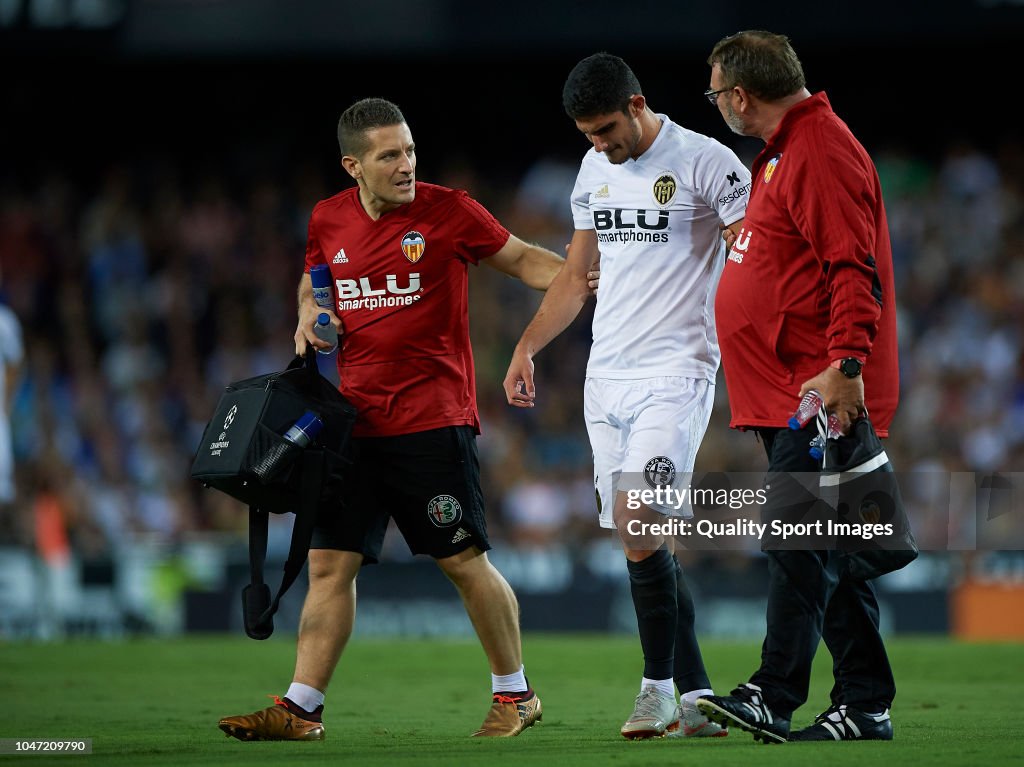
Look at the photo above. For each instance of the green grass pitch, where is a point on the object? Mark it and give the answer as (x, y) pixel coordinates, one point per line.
(414, 702)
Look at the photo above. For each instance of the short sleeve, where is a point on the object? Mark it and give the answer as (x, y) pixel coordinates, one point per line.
(476, 233)
(314, 253)
(723, 181)
(580, 201)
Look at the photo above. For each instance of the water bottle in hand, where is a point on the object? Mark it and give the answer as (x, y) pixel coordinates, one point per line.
(324, 330)
(323, 291)
(808, 409)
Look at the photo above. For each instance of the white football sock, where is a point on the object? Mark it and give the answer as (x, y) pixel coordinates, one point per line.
(305, 697)
(691, 696)
(515, 682)
(665, 686)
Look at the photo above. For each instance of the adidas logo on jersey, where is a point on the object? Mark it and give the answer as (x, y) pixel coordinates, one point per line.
(341, 258)
(602, 193)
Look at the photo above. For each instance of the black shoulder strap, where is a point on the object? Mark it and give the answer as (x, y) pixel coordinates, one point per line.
(257, 608)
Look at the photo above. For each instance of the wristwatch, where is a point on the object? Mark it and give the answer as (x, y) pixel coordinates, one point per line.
(848, 366)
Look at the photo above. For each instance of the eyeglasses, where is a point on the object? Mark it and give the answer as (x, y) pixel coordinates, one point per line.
(712, 96)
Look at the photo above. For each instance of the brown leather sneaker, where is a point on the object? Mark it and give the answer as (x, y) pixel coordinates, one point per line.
(509, 715)
(278, 722)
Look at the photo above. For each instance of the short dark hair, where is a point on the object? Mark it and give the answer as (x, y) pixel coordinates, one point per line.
(762, 62)
(598, 85)
(361, 117)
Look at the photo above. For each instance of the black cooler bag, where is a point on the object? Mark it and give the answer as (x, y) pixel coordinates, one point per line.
(858, 481)
(244, 453)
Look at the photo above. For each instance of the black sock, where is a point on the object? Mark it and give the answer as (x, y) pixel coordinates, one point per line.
(689, 671)
(653, 585)
(517, 695)
(295, 708)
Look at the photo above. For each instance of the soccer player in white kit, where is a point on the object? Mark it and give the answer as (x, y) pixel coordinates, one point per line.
(651, 200)
(11, 354)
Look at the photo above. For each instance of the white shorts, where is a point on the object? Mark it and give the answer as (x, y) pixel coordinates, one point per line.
(645, 433)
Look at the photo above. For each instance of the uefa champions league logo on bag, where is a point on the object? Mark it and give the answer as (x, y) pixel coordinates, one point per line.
(221, 443)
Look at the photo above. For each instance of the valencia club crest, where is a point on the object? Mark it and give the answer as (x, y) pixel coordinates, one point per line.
(413, 246)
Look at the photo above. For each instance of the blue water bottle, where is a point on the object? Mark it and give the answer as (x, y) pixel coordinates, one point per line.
(323, 291)
(305, 429)
(817, 448)
(280, 455)
(324, 330)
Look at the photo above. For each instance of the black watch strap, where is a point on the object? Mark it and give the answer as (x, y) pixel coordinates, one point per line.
(850, 367)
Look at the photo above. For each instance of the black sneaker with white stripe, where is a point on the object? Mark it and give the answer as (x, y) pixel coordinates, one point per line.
(844, 723)
(745, 708)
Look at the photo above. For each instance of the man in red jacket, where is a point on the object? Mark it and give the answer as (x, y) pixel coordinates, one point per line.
(806, 301)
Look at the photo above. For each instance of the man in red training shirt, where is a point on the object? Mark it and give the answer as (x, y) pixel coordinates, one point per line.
(806, 301)
(399, 252)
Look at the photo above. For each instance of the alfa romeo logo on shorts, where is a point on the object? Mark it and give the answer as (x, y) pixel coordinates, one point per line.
(230, 417)
(660, 471)
(444, 510)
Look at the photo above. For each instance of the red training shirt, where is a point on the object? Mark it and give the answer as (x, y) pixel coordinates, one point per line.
(402, 290)
(809, 279)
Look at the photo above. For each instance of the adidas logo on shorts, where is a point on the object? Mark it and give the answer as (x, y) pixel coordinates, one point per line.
(460, 535)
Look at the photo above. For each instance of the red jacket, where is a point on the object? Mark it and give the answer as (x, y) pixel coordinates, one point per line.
(809, 279)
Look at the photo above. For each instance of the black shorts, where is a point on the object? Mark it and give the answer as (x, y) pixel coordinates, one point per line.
(429, 482)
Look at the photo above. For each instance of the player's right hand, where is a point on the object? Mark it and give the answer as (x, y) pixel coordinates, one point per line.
(518, 383)
(304, 335)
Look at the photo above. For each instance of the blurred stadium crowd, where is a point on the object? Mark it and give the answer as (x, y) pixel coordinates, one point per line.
(145, 290)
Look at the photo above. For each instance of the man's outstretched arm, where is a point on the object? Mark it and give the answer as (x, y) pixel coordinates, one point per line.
(534, 265)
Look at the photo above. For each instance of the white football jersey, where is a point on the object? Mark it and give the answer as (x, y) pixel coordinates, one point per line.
(11, 353)
(657, 222)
